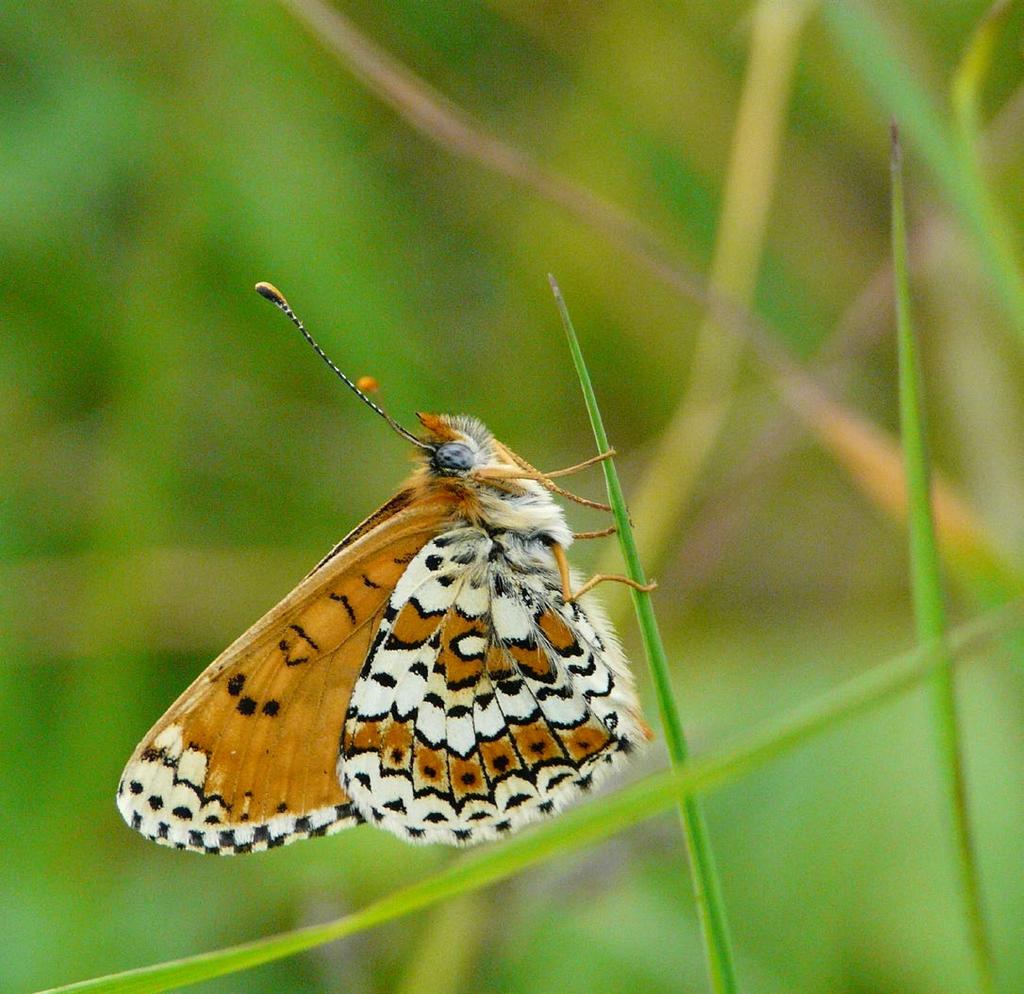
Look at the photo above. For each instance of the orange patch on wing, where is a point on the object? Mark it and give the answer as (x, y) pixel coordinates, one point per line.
(585, 741)
(431, 769)
(456, 626)
(396, 746)
(462, 666)
(467, 777)
(462, 672)
(412, 627)
(367, 737)
(535, 743)
(556, 631)
(499, 757)
(534, 660)
(499, 664)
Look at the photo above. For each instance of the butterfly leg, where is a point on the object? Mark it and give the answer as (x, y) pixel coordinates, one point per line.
(569, 470)
(496, 474)
(601, 533)
(563, 572)
(532, 473)
(601, 577)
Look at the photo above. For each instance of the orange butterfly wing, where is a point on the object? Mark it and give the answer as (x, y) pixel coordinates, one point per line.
(246, 758)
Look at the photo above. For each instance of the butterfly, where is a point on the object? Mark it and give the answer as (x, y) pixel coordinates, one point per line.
(434, 675)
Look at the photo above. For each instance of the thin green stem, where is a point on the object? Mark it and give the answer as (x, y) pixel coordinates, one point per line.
(926, 581)
(708, 892)
(590, 823)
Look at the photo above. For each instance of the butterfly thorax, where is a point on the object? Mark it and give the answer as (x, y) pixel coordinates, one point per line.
(518, 507)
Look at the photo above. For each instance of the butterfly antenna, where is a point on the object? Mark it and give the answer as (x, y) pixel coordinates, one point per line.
(271, 293)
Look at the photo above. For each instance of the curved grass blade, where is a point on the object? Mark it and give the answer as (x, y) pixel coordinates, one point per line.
(926, 581)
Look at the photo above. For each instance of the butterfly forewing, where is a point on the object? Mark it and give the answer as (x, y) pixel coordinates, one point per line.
(486, 701)
(247, 757)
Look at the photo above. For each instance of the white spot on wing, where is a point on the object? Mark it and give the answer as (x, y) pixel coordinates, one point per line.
(472, 645)
(410, 692)
(461, 735)
(473, 601)
(169, 740)
(192, 767)
(431, 722)
(510, 619)
(520, 705)
(489, 721)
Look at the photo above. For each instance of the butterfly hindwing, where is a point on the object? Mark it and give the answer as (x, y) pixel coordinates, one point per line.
(246, 759)
(486, 700)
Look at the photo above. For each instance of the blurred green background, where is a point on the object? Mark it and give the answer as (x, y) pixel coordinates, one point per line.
(175, 459)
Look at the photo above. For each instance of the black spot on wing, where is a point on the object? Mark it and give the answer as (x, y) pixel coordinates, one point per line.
(343, 600)
(298, 629)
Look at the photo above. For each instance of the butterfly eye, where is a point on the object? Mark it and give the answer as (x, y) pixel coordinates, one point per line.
(453, 457)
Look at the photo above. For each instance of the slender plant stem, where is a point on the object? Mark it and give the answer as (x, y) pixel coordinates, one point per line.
(926, 581)
(710, 905)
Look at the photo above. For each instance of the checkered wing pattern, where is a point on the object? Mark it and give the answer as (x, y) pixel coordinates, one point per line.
(486, 701)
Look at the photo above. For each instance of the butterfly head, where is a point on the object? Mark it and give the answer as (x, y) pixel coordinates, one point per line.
(458, 445)
(490, 482)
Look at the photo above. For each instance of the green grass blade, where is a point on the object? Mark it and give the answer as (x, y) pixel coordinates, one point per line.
(965, 98)
(926, 579)
(588, 824)
(974, 66)
(710, 905)
(952, 162)
(929, 602)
